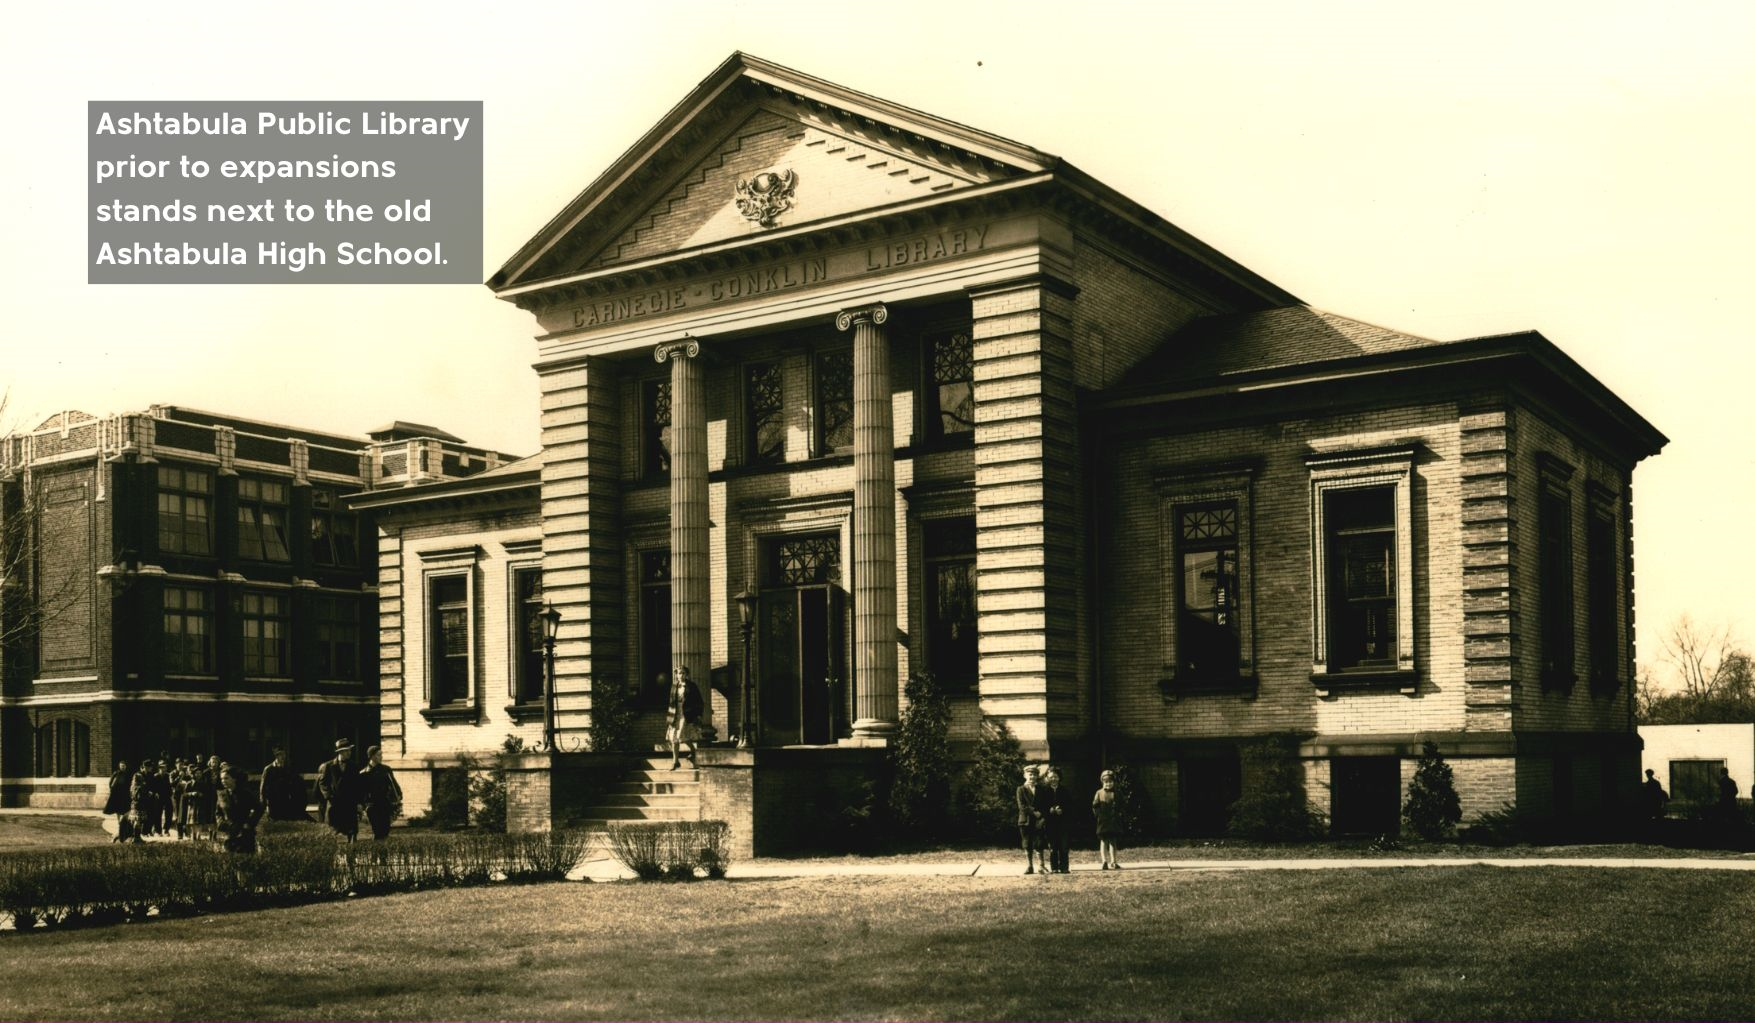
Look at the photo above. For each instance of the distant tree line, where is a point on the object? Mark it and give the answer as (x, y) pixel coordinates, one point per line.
(1713, 679)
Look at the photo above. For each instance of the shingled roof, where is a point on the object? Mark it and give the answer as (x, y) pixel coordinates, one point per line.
(1218, 347)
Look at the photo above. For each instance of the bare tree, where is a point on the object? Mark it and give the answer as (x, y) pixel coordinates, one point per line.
(34, 591)
(1696, 653)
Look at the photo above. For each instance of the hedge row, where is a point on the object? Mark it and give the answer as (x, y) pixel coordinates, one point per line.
(295, 863)
(672, 850)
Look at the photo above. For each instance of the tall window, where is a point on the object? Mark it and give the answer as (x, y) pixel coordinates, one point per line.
(338, 638)
(1603, 587)
(527, 666)
(334, 531)
(1361, 566)
(188, 631)
(834, 401)
(265, 630)
(448, 615)
(764, 397)
(1208, 591)
(951, 393)
(655, 428)
(185, 510)
(654, 625)
(262, 520)
(1554, 539)
(951, 650)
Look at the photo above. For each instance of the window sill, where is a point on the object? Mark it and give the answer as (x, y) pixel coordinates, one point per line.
(1558, 681)
(1245, 686)
(451, 713)
(1604, 685)
(1331, 682)
(522, 712)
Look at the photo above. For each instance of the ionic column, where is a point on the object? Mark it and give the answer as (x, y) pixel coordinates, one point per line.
(874, 525)
(691, 597)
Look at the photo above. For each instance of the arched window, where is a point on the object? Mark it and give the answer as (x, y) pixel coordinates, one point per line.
(63, 749)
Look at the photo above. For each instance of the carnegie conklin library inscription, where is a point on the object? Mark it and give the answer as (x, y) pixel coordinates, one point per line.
(797, 273)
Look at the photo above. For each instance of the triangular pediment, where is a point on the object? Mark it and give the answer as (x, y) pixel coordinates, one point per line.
(795, 149)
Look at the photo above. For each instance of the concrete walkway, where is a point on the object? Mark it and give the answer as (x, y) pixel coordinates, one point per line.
(608, 869)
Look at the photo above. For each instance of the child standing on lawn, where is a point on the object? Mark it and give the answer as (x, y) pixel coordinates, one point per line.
(1103, 808)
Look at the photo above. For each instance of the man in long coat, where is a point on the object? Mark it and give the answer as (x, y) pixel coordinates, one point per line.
(338, 787)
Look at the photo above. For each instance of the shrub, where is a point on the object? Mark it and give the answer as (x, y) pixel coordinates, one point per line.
(295, 862)
(921, 758)
(989, 800)
(1433, 807)
(450, 807)
(613, 712)
(487, 788)
(641, 847)
(672, 849)
(1505, 826)
(1273, 807)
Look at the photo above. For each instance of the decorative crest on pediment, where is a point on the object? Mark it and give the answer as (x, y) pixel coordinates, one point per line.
(765, 196)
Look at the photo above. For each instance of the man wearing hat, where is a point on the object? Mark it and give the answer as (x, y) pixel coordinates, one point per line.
(338, 787)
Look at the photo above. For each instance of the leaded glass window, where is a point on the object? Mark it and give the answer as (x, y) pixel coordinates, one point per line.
(1208, 615)
(834, 402)
(805, 560)
(953, 383)
(767, 413)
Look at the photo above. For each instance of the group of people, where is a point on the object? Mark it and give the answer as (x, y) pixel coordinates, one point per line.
(166, 796)
(1043, 825)
(212, 800)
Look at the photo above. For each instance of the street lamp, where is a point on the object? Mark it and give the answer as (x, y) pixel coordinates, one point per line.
(551, 624)
(746, 612)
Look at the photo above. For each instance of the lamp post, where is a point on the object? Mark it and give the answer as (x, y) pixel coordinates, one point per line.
(551, 624)
(746, 612)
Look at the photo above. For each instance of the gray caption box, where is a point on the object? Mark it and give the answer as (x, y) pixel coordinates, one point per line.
(435, 174)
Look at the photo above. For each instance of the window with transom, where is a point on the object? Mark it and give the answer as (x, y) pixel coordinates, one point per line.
(950, 393)
(765, 421)
(185, 510)
(834, 379)
(262, 520)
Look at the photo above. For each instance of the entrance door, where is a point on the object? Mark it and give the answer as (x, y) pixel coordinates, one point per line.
(802, 684)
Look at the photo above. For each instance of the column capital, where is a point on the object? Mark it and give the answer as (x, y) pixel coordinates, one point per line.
(686, 347)
(876, 313)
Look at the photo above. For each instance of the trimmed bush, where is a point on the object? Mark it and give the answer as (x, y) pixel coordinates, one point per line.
(295, 863)
(1273, 807)
(1433, 808)
(672, 850)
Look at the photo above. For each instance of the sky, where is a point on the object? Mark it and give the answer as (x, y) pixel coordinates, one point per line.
(1582, 169)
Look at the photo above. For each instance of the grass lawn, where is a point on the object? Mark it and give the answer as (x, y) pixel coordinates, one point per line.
(1436, 942)
(50, 831)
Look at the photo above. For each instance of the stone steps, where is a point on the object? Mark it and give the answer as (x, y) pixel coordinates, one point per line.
(649, 791)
